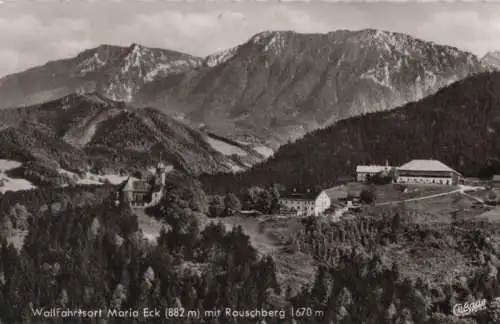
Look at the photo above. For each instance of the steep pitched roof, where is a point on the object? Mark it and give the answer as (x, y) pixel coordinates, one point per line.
(307, 195)
(426, 165)
(137, 185)
(336, 193)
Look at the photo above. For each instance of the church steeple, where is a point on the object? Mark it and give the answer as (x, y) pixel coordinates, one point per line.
(160, 172)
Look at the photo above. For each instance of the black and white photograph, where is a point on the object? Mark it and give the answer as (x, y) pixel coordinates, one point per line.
(241, 162)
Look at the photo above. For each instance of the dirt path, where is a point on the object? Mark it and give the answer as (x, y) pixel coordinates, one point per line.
(462, 190)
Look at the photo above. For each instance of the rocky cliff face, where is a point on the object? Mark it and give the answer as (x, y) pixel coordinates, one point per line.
(113, 71)
(492, 59)
(280, 85)
(272, 89)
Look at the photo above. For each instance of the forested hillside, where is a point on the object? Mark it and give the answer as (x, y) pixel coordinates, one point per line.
(208, 267)
(83, 132)
(459, 125)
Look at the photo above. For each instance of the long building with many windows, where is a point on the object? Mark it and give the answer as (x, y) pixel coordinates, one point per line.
(300, 203)
(427, 172)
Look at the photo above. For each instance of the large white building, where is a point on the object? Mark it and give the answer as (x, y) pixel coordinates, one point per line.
(327, 198)
(426, 172)
(365, 171)
(313, 203)
(301, 204)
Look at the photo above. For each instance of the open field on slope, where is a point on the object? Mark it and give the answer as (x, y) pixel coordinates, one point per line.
(439, 254)
(94, 179)
(150, 227)
(439, 209)
(13, 184)
(492, 215)
(395, 192)
(224, 147)
(269, 235)
(433, 263)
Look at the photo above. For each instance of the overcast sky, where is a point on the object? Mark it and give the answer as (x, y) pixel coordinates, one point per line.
(33, 33)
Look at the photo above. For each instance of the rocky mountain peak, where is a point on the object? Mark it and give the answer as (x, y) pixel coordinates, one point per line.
(492, 59)
(291, 83)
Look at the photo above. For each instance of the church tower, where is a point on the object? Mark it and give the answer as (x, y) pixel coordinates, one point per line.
(160, 173)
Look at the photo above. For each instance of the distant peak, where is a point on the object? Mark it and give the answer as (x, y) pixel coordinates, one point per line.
(492, 59)
(137, 50)
(135, 45)
(492, 54)
(267, 34)
(270, 40)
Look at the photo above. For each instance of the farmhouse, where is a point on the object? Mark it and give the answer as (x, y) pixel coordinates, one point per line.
(365, 171)
(143, 193)
(301, 204)
(327, 198)
(427, 172)
(314, 204)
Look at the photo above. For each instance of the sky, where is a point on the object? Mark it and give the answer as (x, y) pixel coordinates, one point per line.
(32, 33)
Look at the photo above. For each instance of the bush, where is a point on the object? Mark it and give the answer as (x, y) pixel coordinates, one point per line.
(367, 196)
(380, 179)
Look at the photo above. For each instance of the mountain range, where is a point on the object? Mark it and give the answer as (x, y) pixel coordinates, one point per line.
(272, 89)
(459, 125)
(80, 132)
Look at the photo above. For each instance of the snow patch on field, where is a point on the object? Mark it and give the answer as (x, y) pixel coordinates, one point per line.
(264, 150)
(12, 184)
(225, 148)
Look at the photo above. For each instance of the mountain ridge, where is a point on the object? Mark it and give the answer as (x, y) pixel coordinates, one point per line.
(90, 131)
(300, 82)
(458, 125)
(274, 88)
(114, 71)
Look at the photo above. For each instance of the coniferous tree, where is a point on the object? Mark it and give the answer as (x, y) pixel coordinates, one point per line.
(231, 204)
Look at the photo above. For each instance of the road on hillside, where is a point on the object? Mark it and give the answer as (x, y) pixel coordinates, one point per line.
(462, 190)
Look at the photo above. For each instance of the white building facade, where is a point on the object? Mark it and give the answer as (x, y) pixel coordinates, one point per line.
(427, 172)
(327, 198)
(301, 206)
(322, 203)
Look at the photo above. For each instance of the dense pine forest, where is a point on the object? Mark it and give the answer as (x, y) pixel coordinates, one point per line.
(83, 251)
(459, 125)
